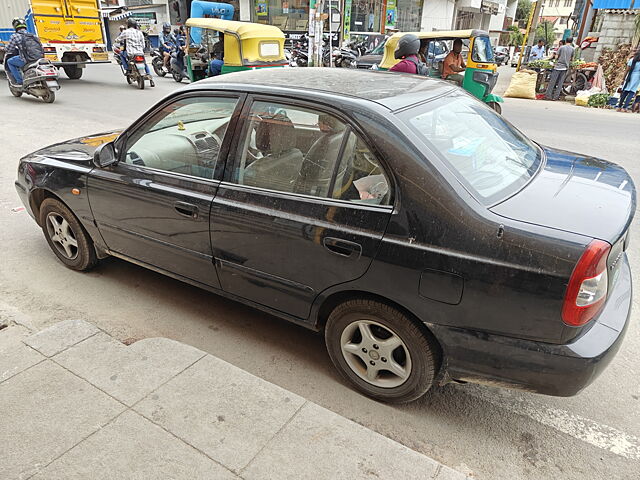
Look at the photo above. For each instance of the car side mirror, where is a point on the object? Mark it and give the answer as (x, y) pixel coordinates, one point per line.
(105, 155)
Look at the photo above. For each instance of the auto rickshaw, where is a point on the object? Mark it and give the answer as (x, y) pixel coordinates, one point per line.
(481, 74)
(241, 46)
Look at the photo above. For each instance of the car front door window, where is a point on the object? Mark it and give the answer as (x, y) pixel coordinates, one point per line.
(184, 137)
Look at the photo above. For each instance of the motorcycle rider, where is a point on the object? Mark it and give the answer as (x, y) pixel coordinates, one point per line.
(167, 43)
(407, 50)
(15, 55)
(133, 40)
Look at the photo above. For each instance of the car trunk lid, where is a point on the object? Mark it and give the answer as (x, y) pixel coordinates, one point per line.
(578, 194)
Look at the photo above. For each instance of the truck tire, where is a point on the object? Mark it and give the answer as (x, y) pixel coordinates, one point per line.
(73, 72)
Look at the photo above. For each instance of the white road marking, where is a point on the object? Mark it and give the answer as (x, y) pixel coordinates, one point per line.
(596, 434)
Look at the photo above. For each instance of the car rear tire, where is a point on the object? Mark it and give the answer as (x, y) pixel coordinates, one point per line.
(380, 351)
(73, 72)
(66, 237)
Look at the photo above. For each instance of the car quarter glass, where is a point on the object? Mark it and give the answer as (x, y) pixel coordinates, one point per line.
(487, 155)
(304, 151)
(183, 137)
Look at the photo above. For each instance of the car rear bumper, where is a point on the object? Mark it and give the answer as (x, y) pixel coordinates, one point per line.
(550, 369)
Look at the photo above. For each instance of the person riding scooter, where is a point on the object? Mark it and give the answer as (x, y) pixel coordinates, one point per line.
(23, 48)
(133, 41)
(167, 42)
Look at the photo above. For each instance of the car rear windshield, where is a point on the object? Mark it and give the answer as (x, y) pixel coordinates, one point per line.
(489, 156)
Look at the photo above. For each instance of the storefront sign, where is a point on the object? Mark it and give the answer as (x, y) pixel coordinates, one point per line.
(147, 22)
(391, 14)
(262, 8)
(347, 20)
(489, 7)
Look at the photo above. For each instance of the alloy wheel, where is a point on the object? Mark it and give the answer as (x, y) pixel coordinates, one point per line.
(62, 236)
(376, 354)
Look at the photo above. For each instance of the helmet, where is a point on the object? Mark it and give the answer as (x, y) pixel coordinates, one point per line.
(131, 23)
(18, 23)
(166, 27)
(408, 44)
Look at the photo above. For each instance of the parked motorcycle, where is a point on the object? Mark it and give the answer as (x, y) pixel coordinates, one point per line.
(40, 79)
(176, 65)
(157, 62)
(345, 58)
(136, 73)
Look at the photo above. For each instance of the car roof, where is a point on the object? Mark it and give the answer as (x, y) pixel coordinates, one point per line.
(392, 90)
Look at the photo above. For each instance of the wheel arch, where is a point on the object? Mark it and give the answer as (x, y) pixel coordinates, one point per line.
(39, 195)
(332, 301)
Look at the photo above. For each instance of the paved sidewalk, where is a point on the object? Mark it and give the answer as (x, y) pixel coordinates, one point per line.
(78, 404)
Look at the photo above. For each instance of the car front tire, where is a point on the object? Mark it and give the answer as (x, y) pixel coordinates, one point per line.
(66, 237)
(380, 351)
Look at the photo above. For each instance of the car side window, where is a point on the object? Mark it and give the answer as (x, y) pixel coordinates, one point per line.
(300, 150)
(184, 137)
(359, 176)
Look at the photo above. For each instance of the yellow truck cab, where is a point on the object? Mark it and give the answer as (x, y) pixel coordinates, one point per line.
(70, 31)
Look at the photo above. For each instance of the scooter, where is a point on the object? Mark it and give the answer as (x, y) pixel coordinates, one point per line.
(40, 79)
(177, 66)
(137, 70)
(157, 62)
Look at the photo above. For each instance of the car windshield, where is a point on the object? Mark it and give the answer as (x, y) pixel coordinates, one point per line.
(489, 156)
(482, 50)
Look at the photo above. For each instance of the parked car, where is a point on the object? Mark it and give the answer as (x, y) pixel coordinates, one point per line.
(427, 238)
(502, 55)
(515, 59)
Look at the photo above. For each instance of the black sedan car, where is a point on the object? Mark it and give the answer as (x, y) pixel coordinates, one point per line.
(427, 238)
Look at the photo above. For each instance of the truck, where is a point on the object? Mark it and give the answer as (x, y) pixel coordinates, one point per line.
(70, 31)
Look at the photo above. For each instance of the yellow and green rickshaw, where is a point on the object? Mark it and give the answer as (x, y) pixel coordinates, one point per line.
(480, 75)
(242, 45)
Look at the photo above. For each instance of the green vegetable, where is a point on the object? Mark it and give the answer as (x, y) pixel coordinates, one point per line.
(598, 100)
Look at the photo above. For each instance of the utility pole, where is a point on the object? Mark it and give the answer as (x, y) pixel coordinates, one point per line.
(534, 21)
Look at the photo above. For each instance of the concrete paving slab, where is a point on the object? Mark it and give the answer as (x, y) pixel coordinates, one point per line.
(446, 473)
(128, 373)
(225, 412)
(61, 336)
(15, 356)
(336, 448)
(46, 411)
(133, 448)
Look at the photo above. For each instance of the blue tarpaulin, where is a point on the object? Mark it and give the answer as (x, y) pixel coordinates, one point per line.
(609, 4)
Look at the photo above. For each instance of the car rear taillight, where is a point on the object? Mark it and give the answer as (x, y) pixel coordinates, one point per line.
(138, 58)
(587, 289)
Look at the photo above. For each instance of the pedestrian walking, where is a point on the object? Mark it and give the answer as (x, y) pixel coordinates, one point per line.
(560, 69)
(631, 83)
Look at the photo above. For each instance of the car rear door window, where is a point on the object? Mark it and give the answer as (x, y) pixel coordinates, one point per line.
(304, 151)
(183, 137)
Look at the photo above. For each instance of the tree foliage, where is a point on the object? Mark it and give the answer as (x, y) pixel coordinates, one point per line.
(523, 10)
(546, 31)
(515, 35)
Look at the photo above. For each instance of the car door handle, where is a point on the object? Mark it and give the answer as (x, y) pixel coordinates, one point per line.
(186, 209)
(343, 248)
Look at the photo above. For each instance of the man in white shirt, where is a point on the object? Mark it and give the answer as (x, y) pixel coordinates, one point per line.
(133, 41)
(537, 51)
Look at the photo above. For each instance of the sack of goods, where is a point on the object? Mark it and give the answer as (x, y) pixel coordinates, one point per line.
(523, 85)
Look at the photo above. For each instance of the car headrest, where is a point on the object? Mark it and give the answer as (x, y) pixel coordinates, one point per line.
(275, 134)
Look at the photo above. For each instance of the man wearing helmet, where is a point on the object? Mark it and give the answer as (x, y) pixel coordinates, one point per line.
(167, 43)
(407, 53)
(133, 41)
(15, 56)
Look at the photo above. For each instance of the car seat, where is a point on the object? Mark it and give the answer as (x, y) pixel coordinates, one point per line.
(278, 168)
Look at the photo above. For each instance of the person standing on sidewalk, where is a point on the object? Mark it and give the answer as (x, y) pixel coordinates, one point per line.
(631, 83)
(560, 69)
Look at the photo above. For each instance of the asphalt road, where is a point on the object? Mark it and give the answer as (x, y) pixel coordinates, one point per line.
(484, 431)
